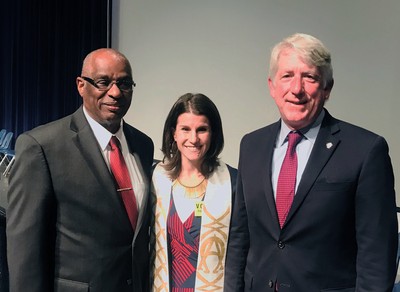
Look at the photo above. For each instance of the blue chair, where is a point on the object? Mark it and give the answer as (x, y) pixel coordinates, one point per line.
(6, 142)
(8, 159)
(8, 155)
(2, 135)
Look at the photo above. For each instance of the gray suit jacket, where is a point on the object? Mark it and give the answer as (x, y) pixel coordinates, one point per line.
(341, 232)
(67, 229)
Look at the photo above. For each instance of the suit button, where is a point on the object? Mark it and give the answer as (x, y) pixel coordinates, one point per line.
(281, 244)
(129, 282)
(270, 284)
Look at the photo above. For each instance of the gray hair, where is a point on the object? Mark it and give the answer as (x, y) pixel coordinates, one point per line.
(311, 50)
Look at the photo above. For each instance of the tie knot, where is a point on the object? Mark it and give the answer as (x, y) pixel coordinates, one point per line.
(114, 143)
(293, 139)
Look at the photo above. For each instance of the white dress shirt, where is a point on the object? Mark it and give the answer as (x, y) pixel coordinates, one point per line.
(103, 137)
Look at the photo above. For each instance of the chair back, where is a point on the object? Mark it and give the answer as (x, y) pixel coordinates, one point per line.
(2, 135)
(6, 141)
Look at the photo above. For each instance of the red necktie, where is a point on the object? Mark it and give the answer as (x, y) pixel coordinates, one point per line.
(287, 178)
(123, 180)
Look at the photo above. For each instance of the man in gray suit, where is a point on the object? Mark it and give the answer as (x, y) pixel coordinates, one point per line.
(333, 225)
(67, 226)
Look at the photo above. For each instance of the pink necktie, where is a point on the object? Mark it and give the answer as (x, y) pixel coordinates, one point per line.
(123, 180)
(287, 178)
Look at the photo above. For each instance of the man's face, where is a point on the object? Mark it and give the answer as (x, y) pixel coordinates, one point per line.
(106, 107)
(297, 90)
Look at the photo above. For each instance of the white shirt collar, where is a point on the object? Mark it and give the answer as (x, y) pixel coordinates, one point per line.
(102, 135)
(310, 133)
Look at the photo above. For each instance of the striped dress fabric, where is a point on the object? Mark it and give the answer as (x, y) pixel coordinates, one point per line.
(183, 238)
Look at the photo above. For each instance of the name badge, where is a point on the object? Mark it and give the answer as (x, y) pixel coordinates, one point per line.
(198, 209)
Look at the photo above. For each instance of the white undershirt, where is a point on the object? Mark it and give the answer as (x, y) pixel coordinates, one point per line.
(184, 206)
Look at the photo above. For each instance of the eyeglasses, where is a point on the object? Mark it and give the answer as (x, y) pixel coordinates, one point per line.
(106, 84)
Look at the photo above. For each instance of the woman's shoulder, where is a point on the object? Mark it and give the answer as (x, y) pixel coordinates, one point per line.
(159, 171)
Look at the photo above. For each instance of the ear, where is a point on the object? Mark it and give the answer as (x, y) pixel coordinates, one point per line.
(271, 87)
(80, 84)
(328, 89)
(329, 86)
(174, 133)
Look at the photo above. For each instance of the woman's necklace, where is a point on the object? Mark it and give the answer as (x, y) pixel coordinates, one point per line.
(193, 192)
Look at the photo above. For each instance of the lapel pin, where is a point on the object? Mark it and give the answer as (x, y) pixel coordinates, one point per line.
(329, 145)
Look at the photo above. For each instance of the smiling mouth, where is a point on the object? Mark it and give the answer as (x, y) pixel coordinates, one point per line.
(114, 106)
(193, 148)
(297, 102)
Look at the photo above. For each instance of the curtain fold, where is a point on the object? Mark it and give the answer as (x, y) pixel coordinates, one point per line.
(43, 45)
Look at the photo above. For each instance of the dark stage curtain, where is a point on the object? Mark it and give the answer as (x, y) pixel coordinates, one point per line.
(43, 43)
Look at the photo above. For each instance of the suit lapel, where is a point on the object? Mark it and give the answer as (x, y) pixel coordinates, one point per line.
(87, 144)
(325, 145)
(267, 171)
(131, 137)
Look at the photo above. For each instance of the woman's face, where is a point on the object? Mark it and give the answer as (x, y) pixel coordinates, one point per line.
(193, 137)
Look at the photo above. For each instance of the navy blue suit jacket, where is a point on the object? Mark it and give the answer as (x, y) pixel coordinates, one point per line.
(341, 232)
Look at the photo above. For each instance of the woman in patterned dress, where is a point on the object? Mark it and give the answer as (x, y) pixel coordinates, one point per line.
(192, 191)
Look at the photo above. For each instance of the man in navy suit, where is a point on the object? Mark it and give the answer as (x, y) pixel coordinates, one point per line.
(67, 226)
(340, 232)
